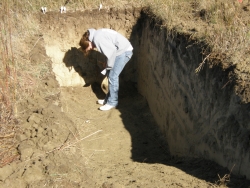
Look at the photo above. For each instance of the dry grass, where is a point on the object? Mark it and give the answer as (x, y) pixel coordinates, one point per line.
(218, 23)
(8, 81)
(223, 181)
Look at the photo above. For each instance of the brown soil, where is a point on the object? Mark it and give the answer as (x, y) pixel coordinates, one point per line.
(68, 142)
(65, 141)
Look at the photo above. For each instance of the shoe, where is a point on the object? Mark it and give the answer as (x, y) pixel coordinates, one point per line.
(100, 101)
(106, 107)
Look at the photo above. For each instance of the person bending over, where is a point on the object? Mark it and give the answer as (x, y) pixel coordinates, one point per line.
(118, 51)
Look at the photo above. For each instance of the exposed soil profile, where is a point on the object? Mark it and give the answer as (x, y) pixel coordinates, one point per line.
(65, 141)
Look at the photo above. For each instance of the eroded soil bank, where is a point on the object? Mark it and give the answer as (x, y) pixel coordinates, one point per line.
(200, 113)
(65, 141)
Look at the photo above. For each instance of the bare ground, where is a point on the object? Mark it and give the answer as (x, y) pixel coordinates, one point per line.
(67, 142)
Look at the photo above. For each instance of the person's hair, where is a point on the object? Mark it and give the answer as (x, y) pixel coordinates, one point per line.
(84, 42)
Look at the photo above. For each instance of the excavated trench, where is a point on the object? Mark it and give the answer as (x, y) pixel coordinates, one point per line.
(199, 114)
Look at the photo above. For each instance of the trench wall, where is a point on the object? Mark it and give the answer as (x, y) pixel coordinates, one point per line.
(62, 33)
(199, 114)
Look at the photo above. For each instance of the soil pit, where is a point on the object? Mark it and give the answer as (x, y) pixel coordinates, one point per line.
(157, 138)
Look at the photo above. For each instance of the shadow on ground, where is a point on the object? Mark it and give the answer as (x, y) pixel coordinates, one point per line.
(149, 146)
